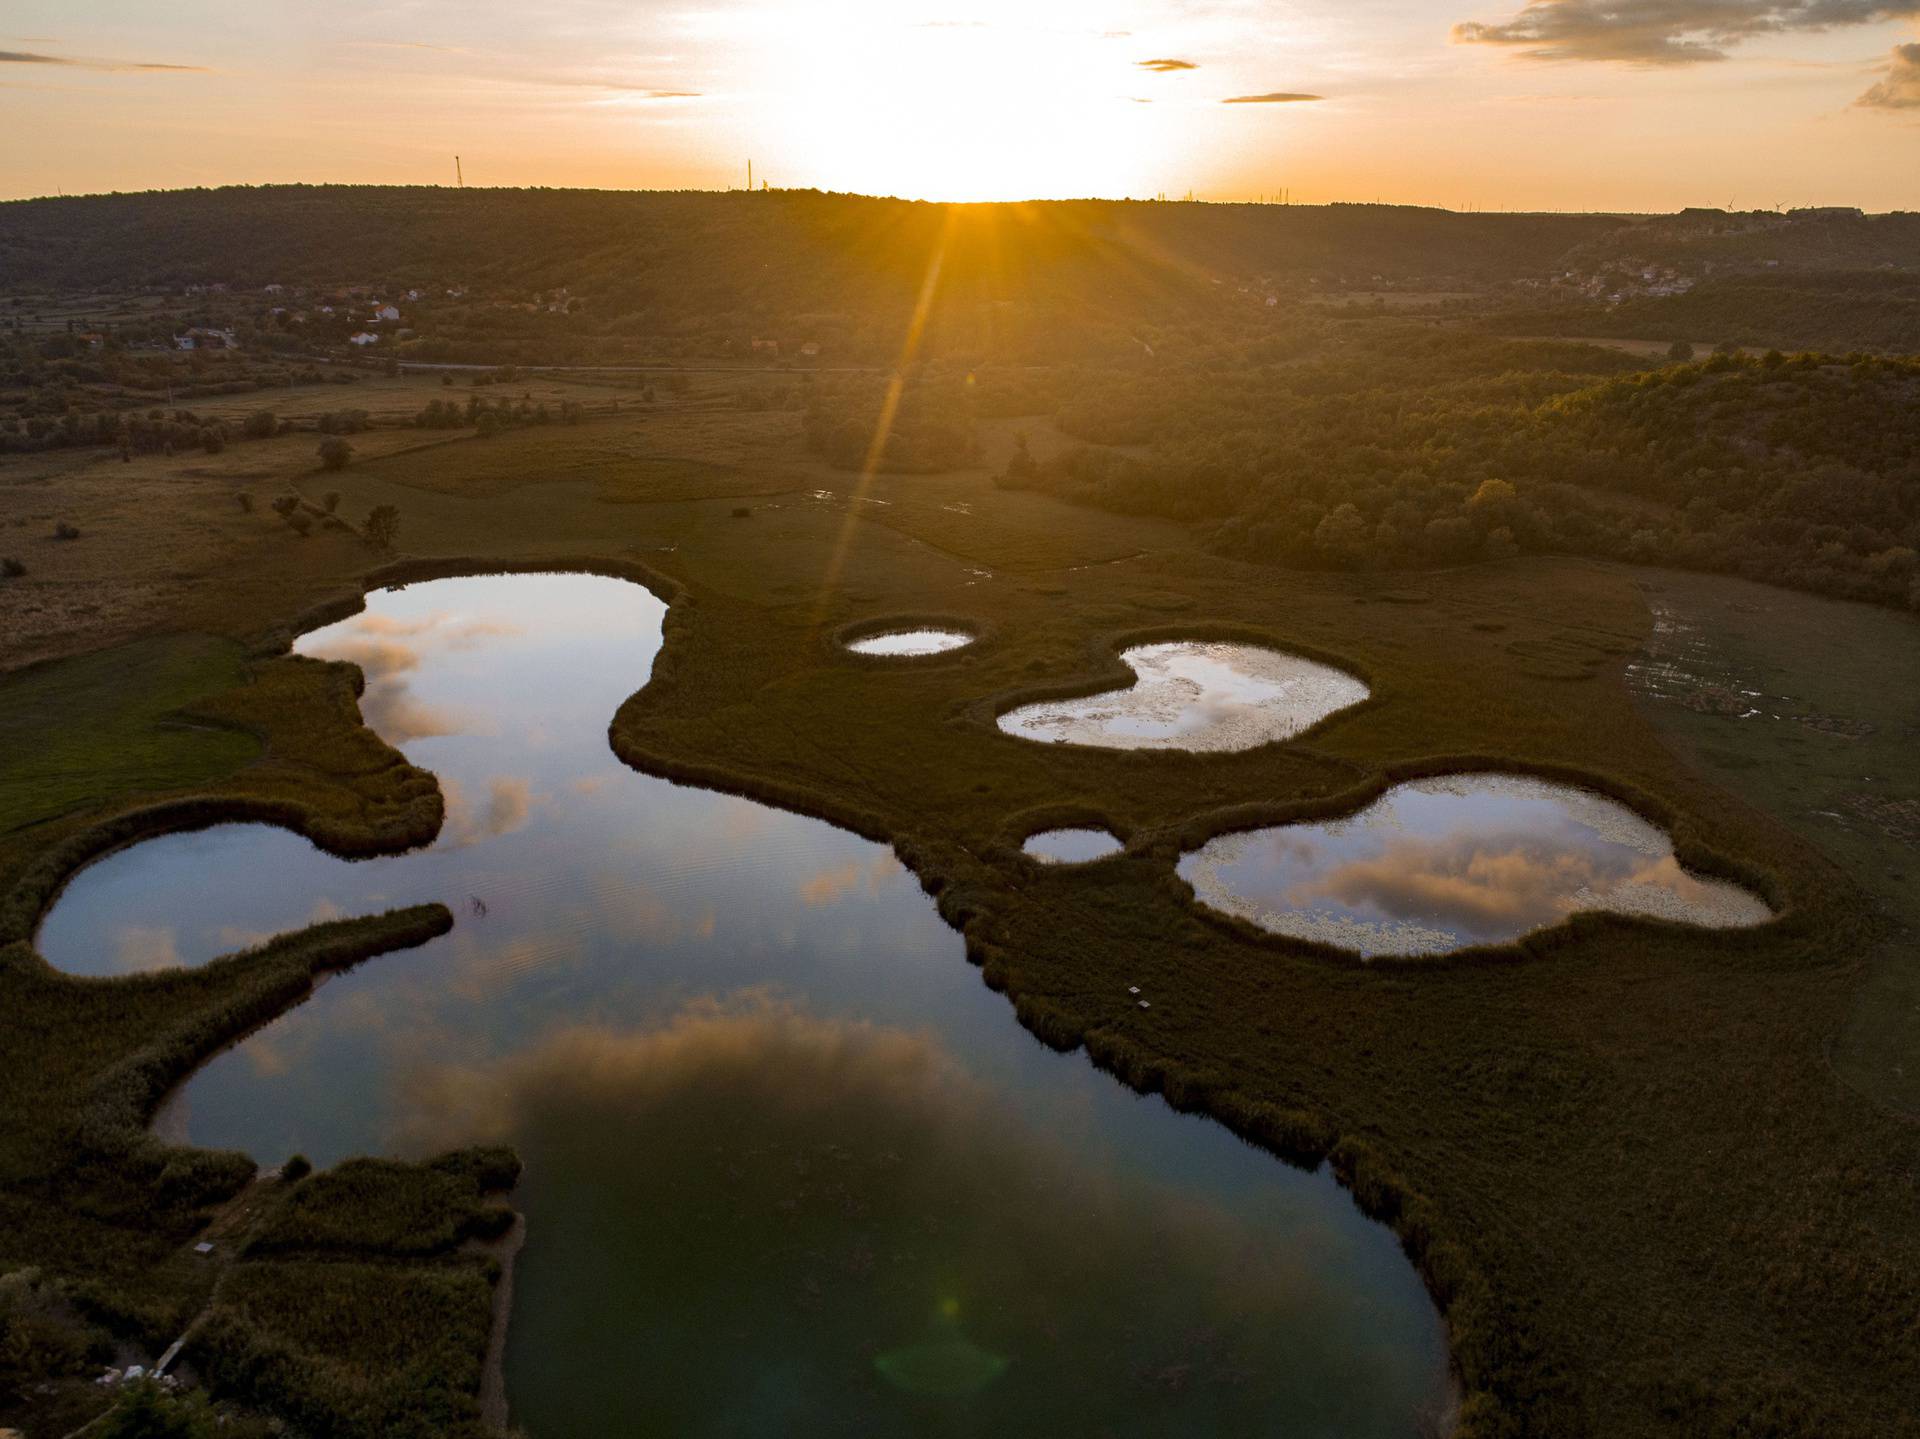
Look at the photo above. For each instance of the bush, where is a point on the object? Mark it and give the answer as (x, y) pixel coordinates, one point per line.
(147, 1411)
(330, 501)
(65, 531)
(334, 453)
(11, 569)
(260, 425)
(296, 1168)
(383, 527)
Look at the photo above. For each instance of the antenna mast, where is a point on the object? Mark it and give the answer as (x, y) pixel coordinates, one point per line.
(459, 180)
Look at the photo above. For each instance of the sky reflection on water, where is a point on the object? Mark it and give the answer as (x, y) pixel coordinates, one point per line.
(908, 644)
(1071, 846)
(1449, 863)
(791, 1167)
(1195, 695)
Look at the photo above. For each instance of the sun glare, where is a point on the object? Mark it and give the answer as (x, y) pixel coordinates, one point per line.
(881, 100)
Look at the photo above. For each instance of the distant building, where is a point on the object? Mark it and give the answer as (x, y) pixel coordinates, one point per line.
(811, 350)
(364, 337)
(385, 312)
(203, 339)
(766, 347)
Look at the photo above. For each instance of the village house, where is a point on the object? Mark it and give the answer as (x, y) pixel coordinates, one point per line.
(363, 337)
(198, 338)
(385, 312)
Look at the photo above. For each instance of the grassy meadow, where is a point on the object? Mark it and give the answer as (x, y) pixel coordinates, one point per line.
(1619, 1152)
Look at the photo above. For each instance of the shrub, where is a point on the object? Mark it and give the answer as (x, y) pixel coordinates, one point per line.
(11, 569)
(65, 531)
(300, 523)
(330, 501)
(383, 527)
(334, 453)
(296, 1168)
(1680, 352)
(260, 425)
(740, 512)
(147, 1411)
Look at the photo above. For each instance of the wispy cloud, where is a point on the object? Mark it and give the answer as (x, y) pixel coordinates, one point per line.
(1167, 67)
(1901, 88)
(1667, 32)
(31, 57)
(1276, 97)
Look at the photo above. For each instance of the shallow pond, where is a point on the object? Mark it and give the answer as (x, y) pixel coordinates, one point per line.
(790, 1166)
(909, 644)
(1196, 695)
(1445, 864)
(1071, 846)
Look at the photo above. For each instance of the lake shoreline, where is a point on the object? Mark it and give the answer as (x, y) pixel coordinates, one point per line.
(493, 1375)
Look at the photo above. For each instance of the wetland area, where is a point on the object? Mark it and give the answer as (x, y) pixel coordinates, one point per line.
(1202, 889)
(757, 1089)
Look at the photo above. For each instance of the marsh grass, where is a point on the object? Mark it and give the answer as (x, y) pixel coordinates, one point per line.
(1615, 1150)
(88, 1195)
(358, 1308)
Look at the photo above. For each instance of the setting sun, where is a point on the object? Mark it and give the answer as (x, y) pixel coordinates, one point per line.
(990, 109)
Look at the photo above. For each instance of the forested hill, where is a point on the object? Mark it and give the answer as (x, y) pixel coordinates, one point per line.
(1405, 450)
(802, 244)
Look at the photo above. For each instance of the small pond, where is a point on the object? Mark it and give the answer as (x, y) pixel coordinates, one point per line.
(1445, 864)
(790, 1166)
(1196, 695)
(1071, 846)
(909, 644)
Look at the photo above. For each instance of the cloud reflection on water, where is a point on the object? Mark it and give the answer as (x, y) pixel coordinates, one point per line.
(830, 1195)
(1444, 864)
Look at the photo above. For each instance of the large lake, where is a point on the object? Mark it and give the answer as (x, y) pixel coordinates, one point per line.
(791, 1168)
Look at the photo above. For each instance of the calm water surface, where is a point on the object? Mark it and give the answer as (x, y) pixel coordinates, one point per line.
(1449, 863)
(1196, 695)
(1072, 846)
(791, 1168)
(906, 644)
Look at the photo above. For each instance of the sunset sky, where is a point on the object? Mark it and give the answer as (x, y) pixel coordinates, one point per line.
(1496, 104)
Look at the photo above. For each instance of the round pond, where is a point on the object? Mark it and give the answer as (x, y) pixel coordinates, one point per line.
(1445, 864)
(910, 643)
(1195, 695)
(1071, 846)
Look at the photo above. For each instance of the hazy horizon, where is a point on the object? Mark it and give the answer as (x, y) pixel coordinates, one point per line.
(1639, 106)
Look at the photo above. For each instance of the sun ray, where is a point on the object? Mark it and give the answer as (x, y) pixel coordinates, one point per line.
(889, 408)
